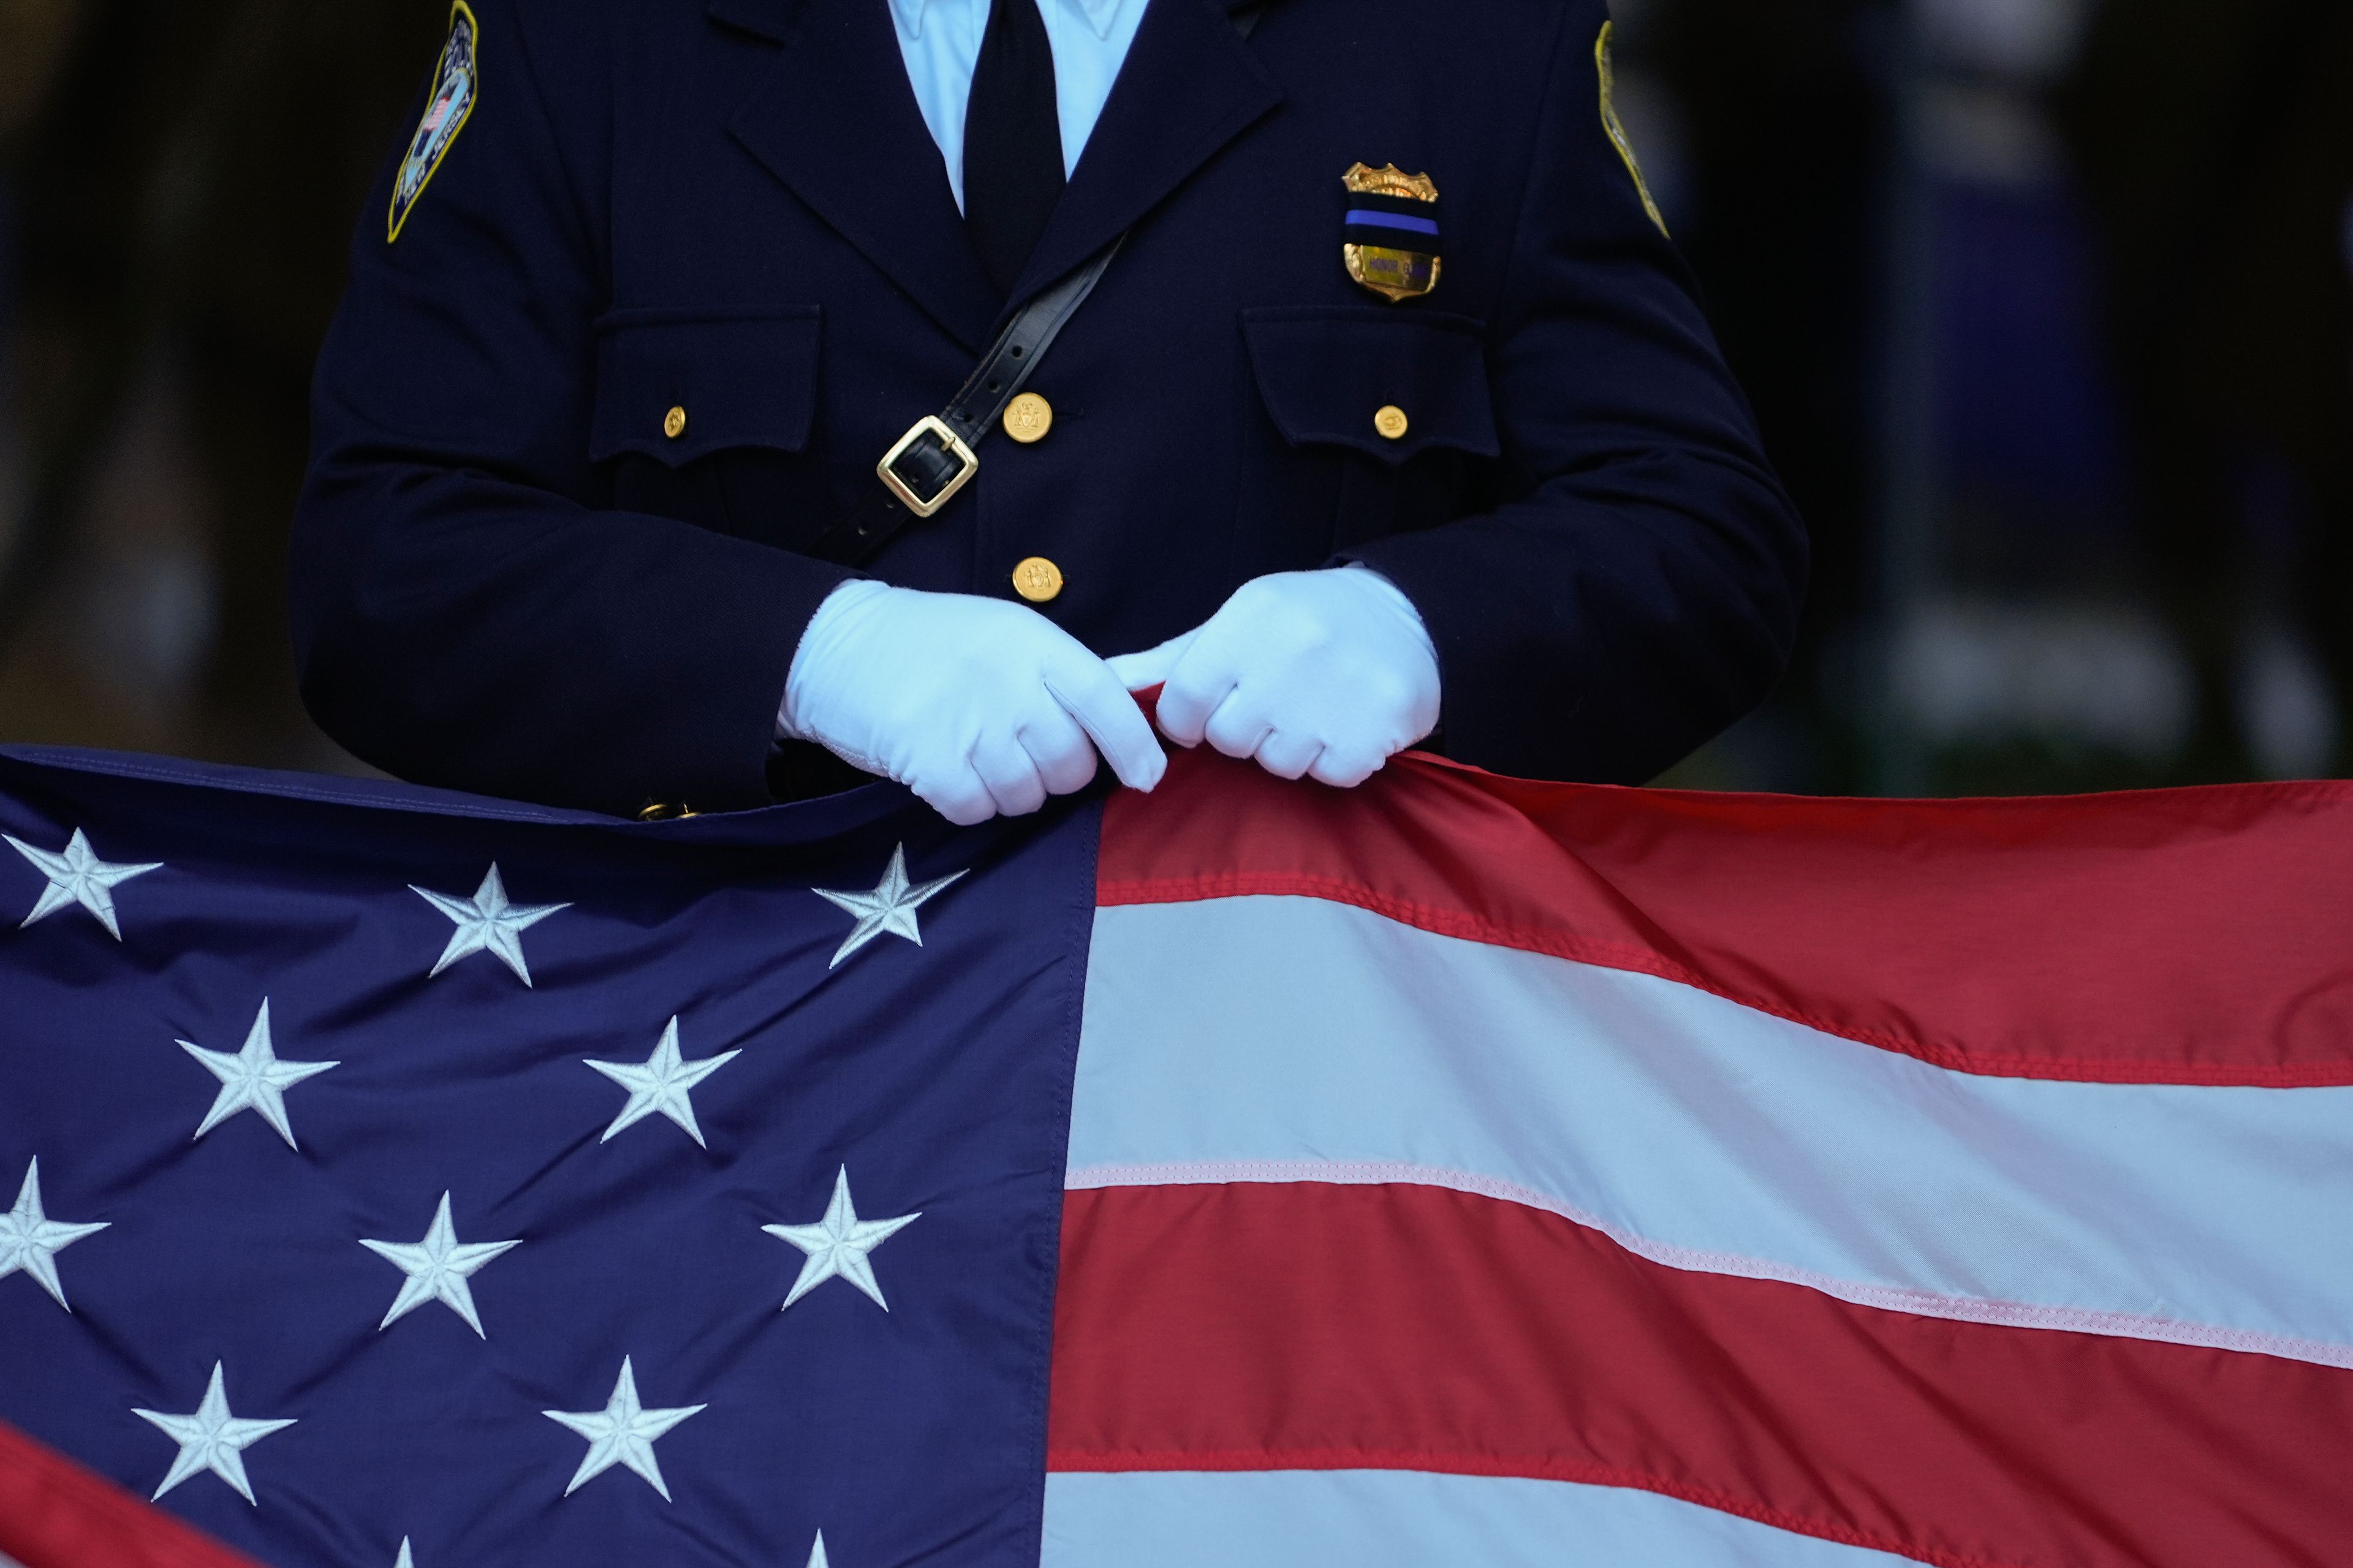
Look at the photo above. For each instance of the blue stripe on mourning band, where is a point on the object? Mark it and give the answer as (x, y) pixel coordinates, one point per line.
(1390, 220)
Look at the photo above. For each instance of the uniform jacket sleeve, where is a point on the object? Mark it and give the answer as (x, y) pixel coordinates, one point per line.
(465, 611)
(1642, 590)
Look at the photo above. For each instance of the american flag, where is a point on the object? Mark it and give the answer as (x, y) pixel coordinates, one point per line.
(1458, 1169)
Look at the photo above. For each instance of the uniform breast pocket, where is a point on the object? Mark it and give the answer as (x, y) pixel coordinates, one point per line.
(710, 416)
(1400, 398)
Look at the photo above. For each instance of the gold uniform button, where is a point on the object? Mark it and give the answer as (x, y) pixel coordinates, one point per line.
(1391, 423)
(1038, 580)
(674, 423)
(1028, 418)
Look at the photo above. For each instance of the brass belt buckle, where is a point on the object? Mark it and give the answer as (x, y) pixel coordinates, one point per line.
(935, 426)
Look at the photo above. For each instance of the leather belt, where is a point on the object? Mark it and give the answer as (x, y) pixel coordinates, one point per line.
(938, 456)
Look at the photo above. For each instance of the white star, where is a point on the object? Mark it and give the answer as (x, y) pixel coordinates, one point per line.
(487, 922)
(816, 1552)
(78, 877)
(889, 909)
(254, 1079)
(438, 1267)
(661, 1082)
(211, 1440)
(403, 1560)
(838, 1244)
(623, 1432)
(31, 1240)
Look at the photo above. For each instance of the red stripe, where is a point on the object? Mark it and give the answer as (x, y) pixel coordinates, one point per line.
(1313, 1326)
(2186, 936)
(55, 1514)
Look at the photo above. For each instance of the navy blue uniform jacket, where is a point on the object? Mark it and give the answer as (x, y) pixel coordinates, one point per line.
(507, 578)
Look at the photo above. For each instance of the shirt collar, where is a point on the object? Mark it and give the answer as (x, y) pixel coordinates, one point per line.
(1100, 13)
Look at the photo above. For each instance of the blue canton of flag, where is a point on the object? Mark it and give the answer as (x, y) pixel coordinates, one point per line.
(406, 1179)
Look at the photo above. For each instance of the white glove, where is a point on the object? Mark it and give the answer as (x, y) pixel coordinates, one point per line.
(978, 705)
(1325, 673)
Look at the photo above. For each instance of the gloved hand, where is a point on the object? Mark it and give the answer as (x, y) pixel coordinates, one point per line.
(978, 706)
(1325, 673)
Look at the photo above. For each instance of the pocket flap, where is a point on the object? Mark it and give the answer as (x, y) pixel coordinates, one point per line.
(1329, 375)
(678, 384)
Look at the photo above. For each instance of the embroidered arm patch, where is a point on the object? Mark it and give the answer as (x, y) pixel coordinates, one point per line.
(456, 81)
(1616, 128)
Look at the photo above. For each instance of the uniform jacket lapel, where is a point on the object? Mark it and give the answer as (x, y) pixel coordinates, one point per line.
(1190, 85)
(837, 122)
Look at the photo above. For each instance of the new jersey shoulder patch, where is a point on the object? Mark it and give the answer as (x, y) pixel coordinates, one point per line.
(456, 82)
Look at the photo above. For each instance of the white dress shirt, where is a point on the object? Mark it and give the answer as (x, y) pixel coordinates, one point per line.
(941, 42)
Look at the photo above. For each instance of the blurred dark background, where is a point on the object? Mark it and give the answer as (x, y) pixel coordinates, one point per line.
(2046, 307)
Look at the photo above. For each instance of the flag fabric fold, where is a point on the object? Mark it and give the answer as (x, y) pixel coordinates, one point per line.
(1458, 1169)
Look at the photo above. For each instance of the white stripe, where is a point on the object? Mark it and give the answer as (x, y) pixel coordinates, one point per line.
(1290, 1039)
(1403, 1518)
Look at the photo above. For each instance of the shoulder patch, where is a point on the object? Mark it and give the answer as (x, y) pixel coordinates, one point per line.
(457, 83)
(1616, 128)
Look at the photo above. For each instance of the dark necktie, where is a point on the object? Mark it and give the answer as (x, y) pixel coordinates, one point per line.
(1012, 142)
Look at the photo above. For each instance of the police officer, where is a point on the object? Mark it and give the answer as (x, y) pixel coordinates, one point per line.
(1326, 359)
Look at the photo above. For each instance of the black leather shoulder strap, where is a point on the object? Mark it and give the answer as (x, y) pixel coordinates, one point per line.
(929, 466)
(939, 455)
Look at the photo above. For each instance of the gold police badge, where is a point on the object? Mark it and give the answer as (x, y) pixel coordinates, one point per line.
(1392, 234)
